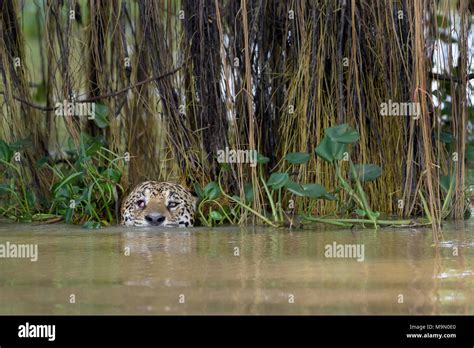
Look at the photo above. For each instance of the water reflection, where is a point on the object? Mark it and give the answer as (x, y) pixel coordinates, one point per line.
(228, 270)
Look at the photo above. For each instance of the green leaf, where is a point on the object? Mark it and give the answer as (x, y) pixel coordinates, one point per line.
(366, 172)
(297, 157)
(198, 190)
(31, 198)
(212, 190)
(262, 159)
(112, 174)
(313, 190)
(93, 148)
(6, 152)
(215, 215)
(100, 115)
(68, 180)
(68, 216)
(360, 212)
(295, 188)
(237, 198)
(330, 151)
(278, 180)
(342, 133)
(61, 192)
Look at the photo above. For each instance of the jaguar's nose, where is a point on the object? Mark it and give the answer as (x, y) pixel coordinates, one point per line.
(154, 218)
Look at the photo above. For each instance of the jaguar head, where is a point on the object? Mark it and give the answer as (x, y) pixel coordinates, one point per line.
(159, 204)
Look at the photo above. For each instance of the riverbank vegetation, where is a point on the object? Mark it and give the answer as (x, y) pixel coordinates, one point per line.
(154, 89)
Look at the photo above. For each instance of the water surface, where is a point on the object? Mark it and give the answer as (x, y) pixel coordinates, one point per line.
(231, 270)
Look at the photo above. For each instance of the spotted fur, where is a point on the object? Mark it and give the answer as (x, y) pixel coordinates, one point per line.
(154, 203)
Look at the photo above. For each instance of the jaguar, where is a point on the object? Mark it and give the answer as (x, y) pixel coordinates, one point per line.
(154, 203)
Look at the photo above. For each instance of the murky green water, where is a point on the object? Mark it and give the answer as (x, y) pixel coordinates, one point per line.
(200, 271)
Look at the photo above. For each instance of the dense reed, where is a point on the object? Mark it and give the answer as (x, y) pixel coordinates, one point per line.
(262, 74)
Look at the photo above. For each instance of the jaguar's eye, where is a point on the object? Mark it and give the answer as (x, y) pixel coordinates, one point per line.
(172, 204)
(141, 204)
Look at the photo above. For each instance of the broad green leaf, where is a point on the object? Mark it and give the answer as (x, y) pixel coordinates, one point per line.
(112, 174)
(6, 152)
(215, 215)
(313, 190)
(317, 191)
(100, 115)
(342, 133)
(212, 190)
(297, 157)
(366, 172)
(330, 151)
(295, 188)
(277, 180)
(262, 159)
(360, 212)
(237, 198)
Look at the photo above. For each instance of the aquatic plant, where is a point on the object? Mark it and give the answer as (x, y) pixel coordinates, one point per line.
(87, 188)
(279, 187)
(18, 201)
(190, 78)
